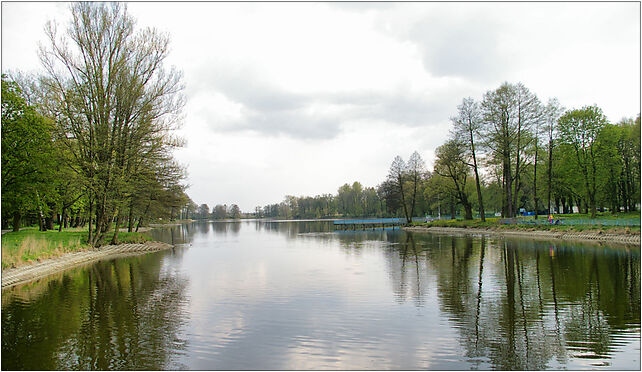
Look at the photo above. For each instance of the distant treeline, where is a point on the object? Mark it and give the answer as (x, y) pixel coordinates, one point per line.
(507, 153)
(219, 212)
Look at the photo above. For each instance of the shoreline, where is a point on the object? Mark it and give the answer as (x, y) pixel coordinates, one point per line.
(24, 274)
(585, 236)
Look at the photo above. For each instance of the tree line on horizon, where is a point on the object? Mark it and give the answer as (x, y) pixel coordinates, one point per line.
(504, 154)
(218, 212)
(89, 141)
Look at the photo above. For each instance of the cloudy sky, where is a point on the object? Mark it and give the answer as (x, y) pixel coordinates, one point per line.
(300, 98)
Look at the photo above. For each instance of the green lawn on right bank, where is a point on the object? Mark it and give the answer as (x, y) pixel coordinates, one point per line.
(523, 223)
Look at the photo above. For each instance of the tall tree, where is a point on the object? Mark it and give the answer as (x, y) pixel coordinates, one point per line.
(117, 105)
(509, 114)
(553, 112)
(528, 115)
(500, 133)
(467, 126)
(580, 128)
(397, 177)
(416, 170)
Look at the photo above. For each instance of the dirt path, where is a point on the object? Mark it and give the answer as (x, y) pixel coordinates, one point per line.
(551, 235)
(23, 274)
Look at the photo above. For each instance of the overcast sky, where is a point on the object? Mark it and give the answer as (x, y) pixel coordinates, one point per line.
(300, 98)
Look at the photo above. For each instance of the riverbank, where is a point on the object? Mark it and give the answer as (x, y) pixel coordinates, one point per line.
(594, 236)
(24, 274)
(30, 245)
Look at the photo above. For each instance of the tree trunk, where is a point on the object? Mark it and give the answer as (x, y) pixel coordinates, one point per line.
(114, 239)
(468, 209)
(482, 213)
(101, 224)
(130, 222)
(414, 195)
(516, 179)
(535, 179)
(49, 222)
(41, 223)
(91, 205)
(140, 220)
(550, 169)
(16, 221)
(403, 198)
(63, 218)
(41, 216)
(509, 186)
(452, 208)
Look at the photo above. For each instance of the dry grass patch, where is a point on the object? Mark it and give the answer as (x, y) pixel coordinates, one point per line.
(32, 247)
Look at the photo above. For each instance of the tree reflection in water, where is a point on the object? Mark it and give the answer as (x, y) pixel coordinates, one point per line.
(516, 303)
(513, 304)
(116, 314)
(524, 304)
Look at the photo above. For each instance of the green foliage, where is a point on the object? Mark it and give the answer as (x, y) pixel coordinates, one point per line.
(451, 164)
(28, 159)
(581, 129)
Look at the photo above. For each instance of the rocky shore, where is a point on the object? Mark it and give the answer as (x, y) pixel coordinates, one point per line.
(24, 274)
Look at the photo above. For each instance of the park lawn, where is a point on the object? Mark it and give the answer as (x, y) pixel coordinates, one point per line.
(493, 223)
(30, 245)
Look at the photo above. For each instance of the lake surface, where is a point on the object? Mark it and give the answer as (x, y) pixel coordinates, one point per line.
(297, 295)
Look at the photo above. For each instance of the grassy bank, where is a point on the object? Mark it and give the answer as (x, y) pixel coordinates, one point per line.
(29, 245)
(524, 225)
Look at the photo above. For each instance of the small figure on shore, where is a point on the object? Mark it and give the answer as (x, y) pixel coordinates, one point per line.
(550, 218)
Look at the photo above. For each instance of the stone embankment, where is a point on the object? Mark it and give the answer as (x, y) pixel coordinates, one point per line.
(23, 274)
(550, 235)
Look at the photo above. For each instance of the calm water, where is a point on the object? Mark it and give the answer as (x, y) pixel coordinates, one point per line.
(296, 295)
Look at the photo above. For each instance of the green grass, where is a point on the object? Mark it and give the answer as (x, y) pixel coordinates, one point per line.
(598, 215)
(493, 223)
(29, 244)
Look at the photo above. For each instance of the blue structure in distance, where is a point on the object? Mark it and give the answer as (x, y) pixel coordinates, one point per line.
(368, 223)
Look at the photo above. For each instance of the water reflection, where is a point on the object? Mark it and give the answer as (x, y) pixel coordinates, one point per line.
(178, 234)
(531, 305)
(297, 295)
(116, 314)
